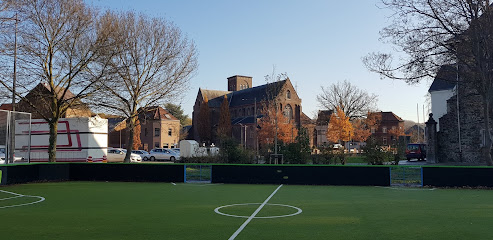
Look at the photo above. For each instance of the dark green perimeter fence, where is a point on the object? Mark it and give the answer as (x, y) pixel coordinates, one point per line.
(251, 174)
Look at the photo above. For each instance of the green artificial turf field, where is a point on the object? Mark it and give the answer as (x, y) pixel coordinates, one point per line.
(116, 210)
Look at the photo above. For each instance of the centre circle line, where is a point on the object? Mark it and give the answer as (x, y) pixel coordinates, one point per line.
(298, 210)
(253, 214)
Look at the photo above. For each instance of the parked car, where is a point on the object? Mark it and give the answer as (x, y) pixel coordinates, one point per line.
(2, 155)
(164, 154)
(177, 150)
(118, 155)
(416, 150)
(143, 154)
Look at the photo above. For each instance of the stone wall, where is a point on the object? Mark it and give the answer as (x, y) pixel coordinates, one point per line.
(471, 122)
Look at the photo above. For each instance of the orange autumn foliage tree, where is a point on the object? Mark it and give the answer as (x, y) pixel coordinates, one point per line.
(396, 132)
(340, 128)
(362, 127)
(286, 130)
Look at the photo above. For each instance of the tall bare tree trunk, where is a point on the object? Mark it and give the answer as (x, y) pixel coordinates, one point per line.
(487, 146)
(131, 131)
(53, 138)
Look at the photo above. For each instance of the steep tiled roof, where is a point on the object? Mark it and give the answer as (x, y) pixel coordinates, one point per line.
(6, 106)
(388, 116)
(155, 113)
(445, 79)
(305, 120)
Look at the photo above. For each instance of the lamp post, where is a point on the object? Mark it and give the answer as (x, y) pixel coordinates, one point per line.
(254, 121)
(10, 147)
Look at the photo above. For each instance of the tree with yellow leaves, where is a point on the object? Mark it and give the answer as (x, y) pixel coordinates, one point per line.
(286, 130)
(340, 128)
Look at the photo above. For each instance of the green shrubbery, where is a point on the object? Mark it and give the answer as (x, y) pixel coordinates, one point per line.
(375, 155)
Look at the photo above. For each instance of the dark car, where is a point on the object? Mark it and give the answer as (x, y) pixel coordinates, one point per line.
(416, 150)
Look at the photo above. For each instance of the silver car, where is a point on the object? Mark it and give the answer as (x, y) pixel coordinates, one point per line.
(164, 154)
(143, 154)
(118, 155)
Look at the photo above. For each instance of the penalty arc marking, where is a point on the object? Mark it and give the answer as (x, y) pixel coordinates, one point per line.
(16, 195)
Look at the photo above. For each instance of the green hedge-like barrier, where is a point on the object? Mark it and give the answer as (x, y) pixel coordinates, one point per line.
(309, 175)
(247, 174)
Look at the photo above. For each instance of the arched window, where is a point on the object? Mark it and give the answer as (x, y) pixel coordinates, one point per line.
(288, 94)
(288, 112)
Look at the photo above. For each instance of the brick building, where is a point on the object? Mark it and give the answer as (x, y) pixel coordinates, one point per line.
(39, 95)
(386, 121)
(246, 103)
(158, 129)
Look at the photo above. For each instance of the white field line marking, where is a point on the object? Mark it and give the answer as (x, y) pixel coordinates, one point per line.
(253, 215)
(10, 198)
(408, 188)
(12, 193)
(20, 195)
(298, 210)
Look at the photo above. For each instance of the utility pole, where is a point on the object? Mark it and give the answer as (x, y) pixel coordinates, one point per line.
(10, 148)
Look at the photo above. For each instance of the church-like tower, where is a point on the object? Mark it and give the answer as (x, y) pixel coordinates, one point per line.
(237, 83)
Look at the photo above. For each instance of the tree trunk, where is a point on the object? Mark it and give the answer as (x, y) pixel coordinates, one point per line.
(487, 151)
(130, 140)
(53, 138)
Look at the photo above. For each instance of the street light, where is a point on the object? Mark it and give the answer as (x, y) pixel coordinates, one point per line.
(244, 135)
(10, 146)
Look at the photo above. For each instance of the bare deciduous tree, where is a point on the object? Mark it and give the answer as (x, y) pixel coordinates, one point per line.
(58, 42)
(354, 102)
(433, 33)
(224, 124)
(153, 66)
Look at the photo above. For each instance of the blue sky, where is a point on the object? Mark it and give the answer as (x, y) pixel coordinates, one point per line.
(317, 43)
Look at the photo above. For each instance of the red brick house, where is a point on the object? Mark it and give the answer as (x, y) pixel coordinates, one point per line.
(387, 122)
(158, 129)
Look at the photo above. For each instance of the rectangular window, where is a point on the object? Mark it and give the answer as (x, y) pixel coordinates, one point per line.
(384, 140)
(156, 145)
(169, 132)
(165, 145)
(384, 129)
(157, 132)
(145, 132)
(372, 130)
(482, 134)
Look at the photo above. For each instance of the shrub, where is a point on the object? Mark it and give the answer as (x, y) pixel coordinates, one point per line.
(374, 154)
(232, 152)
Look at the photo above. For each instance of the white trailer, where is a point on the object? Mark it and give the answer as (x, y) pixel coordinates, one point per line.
(79, 139)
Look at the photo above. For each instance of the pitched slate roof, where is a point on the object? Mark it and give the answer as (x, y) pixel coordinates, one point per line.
(445, 79)
(245, 96)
